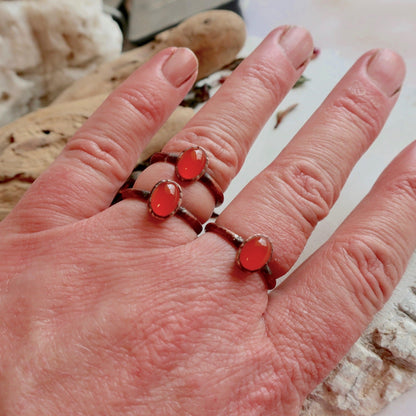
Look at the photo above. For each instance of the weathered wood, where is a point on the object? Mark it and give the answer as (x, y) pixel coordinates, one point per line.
(30, 144)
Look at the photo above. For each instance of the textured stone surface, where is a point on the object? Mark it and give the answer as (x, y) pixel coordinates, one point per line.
(380, 366)
(45, 45)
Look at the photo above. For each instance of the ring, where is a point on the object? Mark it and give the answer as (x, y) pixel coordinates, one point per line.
(253, 253)
(163, 201)
(191, 165)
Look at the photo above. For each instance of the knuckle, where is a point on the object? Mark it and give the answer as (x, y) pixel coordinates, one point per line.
(101, 150)
(313, 190)
(146, 104)
(100, 154)
(404, 185)
(368, 267)
(224, 151)
(359, 106)
(260, 77)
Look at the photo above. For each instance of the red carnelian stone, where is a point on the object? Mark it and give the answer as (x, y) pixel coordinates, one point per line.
(191, 164)
(255, 253)
(165, 199)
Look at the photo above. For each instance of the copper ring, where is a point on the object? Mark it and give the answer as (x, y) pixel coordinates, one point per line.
(173, 207)
(262, 257)
(201, 173)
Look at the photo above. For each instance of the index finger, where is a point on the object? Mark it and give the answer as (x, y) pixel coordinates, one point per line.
(97, 160)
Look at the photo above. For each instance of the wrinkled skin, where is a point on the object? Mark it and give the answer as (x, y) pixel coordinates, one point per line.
(108, 311)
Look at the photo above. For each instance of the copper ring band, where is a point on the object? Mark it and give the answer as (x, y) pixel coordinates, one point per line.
(204, 177)
(180, 211)
(238, 242)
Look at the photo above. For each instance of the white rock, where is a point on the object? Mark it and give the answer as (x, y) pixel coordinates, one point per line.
(45, 45)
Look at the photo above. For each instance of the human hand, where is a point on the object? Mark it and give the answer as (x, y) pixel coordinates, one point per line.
(106, 310)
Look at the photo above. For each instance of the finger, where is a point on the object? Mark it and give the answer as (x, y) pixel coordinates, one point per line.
(297, 190)
(228, 124)
(101, 155)
(322, 308)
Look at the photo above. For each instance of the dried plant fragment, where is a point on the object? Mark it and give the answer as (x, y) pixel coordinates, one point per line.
(283, 113)
(302, 79)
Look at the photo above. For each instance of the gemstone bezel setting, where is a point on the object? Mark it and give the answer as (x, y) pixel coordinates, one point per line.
(165, 199)
(254, 253)
(191, 164)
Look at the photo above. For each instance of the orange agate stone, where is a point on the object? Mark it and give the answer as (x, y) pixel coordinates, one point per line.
(254, 253)
(191, 164)
(165, 199)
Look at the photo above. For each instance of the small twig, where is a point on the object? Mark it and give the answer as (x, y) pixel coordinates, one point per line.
(282, 114)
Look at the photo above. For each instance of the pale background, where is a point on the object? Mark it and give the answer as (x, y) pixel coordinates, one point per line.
(349, 26)
(343, 30)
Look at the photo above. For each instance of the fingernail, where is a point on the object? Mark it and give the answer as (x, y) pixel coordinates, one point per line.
(387, 70)
(180, 66)
(298, 45)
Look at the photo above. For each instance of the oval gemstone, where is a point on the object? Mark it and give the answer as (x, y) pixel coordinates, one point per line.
(255, 253)
(165, 199)
(191, 164)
